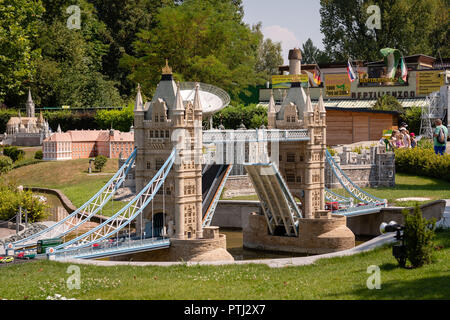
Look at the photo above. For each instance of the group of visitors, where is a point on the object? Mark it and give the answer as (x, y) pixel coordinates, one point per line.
(402, 138)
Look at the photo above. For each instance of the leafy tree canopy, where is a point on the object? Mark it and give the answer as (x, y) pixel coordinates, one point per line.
(410, 26)
(203, 40)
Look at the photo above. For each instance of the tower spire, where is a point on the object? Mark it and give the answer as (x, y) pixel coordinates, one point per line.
(178, 99)
(139, 105)
(309, 107)
(30, 105)
(271, 107)
(197, 102)
(321, 104)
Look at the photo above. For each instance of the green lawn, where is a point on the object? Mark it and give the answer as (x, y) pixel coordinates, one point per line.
(336, 278)
(405, 186)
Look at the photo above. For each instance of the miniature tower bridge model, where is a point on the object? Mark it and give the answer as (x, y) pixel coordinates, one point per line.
(180, 173)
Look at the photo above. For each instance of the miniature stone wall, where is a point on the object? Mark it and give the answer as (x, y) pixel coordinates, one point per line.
(372, 167)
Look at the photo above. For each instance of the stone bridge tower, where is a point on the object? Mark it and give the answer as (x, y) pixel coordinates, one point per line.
(160, 125)
(302, 163)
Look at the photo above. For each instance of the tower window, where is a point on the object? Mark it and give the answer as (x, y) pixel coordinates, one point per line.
(290, 157)
(156, 118)
(290, 178)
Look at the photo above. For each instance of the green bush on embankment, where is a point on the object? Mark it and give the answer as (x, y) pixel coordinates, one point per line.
(423, 162)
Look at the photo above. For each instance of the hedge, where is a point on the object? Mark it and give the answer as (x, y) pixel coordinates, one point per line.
(423, 162)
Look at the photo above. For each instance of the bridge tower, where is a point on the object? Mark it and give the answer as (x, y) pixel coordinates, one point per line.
(302, 163)
(160, 125)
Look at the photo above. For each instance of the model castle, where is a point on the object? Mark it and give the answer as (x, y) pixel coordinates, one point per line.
(29, 130)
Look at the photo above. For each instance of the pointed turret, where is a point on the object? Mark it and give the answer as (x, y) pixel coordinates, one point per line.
(321, 104)
(41, 118)
(197, 102)
(309, 108)
(30, 105)
(59, 129)
(179, 105)
(139, 104)
(271, 108)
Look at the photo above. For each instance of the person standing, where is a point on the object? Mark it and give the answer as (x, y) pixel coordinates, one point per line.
(440, 137)
(413, 140)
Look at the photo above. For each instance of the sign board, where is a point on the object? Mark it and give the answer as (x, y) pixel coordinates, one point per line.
(284, 81)
(337, 85)
(428, 82)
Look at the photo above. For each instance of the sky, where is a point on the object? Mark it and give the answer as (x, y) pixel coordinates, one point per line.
(290, 22)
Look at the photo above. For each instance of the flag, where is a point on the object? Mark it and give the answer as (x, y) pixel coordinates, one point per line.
(350, 72)
(317, 79)
(404, 69)
(391, 58)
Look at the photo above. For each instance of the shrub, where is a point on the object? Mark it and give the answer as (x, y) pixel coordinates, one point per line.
(5, 164)
(39, 155)
(11, 199)
(100, 162)
(423, 162)
(418, 237)
(425, 144)
(331, 151)
(412, 117)
(14, 153)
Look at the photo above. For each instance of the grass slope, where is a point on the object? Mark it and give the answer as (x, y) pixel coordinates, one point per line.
(71, 177)
(336, 278)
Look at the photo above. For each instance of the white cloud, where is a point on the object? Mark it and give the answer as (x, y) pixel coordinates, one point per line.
(285, 36)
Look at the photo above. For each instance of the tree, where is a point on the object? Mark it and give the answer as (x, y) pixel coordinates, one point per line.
(100, 162)
(19, 21)
(69, 72)
(14, 153)
(252, 116)
(388, 103)
(312, 54)
(269, 55)
(203, 41)
(409, 26)
(418, 236)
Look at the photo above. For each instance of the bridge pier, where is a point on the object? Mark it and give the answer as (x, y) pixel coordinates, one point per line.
(212, 247)
(324, 234)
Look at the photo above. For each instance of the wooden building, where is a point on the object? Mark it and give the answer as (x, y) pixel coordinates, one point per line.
(357, 124)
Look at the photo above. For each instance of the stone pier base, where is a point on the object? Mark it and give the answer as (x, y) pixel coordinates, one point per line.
(326, 234)
(210, 248)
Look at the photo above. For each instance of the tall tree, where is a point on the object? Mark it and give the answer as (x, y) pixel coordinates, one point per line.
(269, 55)
(69, 72)
(408, 25)
(203, 41)
(19, 20)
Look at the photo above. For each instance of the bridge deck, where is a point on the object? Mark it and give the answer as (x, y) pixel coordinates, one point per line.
(126, 247)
